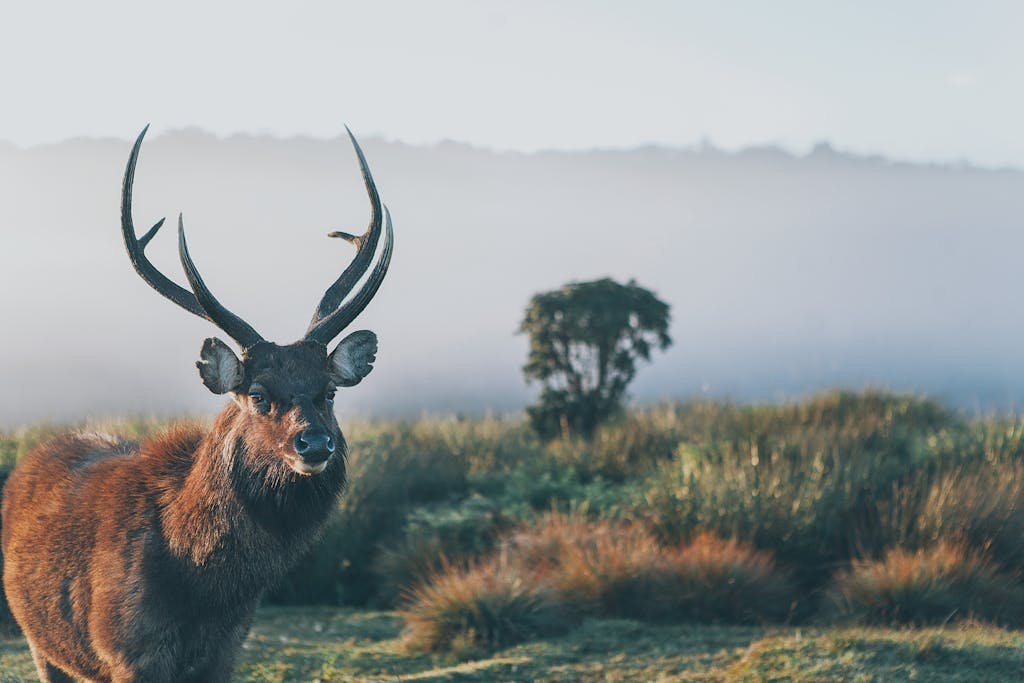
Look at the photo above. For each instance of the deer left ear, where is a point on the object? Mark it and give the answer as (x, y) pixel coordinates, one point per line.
(219, 367)
(353, 359)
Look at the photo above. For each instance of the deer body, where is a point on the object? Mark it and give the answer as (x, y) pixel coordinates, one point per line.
(145, 562)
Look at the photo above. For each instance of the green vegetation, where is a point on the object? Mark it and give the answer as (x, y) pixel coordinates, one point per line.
(585, 340)
(707, 539)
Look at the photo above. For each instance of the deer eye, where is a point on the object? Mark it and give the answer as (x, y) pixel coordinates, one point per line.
(260, 400)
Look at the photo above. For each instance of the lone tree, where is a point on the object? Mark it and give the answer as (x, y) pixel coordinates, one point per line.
(585, 340)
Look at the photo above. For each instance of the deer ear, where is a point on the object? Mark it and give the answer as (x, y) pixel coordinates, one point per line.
(353, 359)
(219, 367)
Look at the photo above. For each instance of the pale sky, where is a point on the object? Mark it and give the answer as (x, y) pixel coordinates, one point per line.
(916, 80)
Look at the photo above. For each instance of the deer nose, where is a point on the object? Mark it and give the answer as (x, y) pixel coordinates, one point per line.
(314, 446)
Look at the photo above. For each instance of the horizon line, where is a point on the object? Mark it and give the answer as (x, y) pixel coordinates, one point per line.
(704, 146)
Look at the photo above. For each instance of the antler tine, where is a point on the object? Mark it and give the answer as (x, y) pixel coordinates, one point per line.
(136, 246)
(201, 301)
(366, 245)
(331, 327)
(239, 330)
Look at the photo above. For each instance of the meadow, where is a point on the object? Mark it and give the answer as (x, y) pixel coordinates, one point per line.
(849, 536)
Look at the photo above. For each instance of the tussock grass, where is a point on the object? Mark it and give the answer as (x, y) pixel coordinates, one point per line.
(484, 606)
(609, 569)
(933, 586)
(728, 581)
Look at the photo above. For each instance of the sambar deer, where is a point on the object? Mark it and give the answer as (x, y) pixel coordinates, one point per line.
(145, 562)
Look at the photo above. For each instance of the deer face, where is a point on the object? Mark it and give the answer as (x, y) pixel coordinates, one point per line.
(286, 393)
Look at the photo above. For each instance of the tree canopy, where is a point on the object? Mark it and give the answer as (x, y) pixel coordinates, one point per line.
(585, 341)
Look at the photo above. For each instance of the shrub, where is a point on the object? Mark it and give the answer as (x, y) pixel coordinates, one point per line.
(546, 542)
(486, 606)
(481, 444)
(808, 481)
(601, 568)
(931, 586)
(598, 568)
(980, 503)
(619, 574)
(433, 536)
(629, 447)
(972, 493)
(711, 579)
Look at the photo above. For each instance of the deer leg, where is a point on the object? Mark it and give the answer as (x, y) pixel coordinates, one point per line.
(48, 673)
(155, 666)
(55, 675)
(218, 671)
(222, 664)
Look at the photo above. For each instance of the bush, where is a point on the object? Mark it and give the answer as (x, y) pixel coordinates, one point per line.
(727, 581)
(432, 537)
(484, 606)
(629, 447)
(601, 568)
(932, 586)
(548, 541)
(980, 503)
(614, 571)
(807, 481)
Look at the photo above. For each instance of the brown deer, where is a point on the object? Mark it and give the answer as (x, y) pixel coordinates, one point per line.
(145, 562)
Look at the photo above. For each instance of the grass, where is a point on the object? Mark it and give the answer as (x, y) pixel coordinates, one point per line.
(329, 644)
(600, 568)
(485, 606)
(941, 584)
(852, 495)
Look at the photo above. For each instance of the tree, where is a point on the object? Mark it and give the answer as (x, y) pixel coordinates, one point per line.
(585, 340)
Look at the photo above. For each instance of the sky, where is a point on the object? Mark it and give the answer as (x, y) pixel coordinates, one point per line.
(914, 80)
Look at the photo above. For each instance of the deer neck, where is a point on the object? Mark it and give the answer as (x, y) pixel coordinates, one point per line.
(229, 510)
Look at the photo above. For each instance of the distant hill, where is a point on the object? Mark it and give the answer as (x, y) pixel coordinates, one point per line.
(786, 273)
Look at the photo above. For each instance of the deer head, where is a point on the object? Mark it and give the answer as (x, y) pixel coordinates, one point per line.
(284, 393)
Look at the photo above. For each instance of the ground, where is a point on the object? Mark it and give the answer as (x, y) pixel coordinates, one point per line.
(316, 644)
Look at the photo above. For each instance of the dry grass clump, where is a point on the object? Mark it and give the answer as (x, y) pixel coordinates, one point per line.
(931, 586)
(718, 580)
(609, 569)
(603, 568)
(546, 543)
(566, 567)
(484, 606)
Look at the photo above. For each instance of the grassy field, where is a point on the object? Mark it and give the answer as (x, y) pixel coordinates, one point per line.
(329, 644)
(844, 537)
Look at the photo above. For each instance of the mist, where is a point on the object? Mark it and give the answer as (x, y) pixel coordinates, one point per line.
(786, 274)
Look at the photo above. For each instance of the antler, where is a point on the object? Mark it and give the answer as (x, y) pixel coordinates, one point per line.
(200, 301)
(331, 317)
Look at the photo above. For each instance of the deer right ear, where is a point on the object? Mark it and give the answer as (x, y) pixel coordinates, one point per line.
(219, 367)
(353, 359)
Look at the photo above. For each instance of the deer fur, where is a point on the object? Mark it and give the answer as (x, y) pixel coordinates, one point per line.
(144, 562)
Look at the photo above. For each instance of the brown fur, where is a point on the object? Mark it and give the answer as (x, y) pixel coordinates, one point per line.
(144, 562)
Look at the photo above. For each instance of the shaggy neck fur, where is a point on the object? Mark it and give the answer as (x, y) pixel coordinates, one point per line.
(240, 512)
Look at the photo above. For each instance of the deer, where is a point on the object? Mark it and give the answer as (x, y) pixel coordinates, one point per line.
(127, 561)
